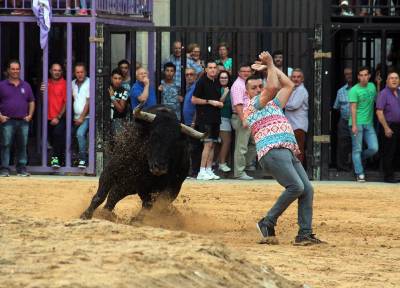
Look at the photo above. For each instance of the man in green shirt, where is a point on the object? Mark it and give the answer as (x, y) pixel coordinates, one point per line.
(362, 102)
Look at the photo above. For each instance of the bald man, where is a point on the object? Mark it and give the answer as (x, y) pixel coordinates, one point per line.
(142, 91)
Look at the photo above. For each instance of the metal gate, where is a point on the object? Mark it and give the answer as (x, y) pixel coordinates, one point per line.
(151, 45)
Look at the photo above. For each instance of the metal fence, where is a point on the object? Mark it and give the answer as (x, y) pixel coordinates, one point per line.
(142, 8)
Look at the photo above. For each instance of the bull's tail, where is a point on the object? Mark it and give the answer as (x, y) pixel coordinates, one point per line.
(97, 200)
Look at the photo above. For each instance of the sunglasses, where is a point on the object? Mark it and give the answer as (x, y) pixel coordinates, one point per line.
(189, 74)
(223, 78)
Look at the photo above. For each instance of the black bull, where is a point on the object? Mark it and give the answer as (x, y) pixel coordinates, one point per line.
(150, 158)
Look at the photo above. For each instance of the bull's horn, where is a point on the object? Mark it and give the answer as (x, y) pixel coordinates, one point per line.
(139, 114)
(149, 117)
(192, 132)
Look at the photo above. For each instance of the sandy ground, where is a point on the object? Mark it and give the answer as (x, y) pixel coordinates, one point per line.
(211, 242)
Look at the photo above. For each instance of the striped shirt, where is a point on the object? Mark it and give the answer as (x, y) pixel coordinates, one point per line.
(270, 127)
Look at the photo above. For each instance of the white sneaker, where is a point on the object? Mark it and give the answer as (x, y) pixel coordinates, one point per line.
(214, 177)
(244, 176)
(224, 168)
(203, 175)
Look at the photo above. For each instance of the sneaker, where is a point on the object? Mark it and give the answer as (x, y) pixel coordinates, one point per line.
(17, 12)
(4, 173)
(22, 172)
(347, 13)
(82, 12)
(360, 178)
(244, 176)
(267, 233)
(251, 168)
(82, 164)
(67, 12)
(203, 175)
(214, 177)
(224, 168)
(306, 240)
(55, 163)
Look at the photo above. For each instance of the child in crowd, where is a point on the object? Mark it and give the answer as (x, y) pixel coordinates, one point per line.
(170, 92)
(119, 101)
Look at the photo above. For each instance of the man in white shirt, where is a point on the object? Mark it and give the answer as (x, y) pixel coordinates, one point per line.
(296, 110)
(81, 94)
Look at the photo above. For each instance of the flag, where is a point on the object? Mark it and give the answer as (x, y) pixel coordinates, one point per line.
(42, 11)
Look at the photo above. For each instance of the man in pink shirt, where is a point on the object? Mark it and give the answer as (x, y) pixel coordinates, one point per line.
(245, 152)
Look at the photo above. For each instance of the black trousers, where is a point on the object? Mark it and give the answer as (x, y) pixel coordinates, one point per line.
(56, 137)
(389, 147)
(343, 145)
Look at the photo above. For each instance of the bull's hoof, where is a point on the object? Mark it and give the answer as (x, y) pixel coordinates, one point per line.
(86, 215)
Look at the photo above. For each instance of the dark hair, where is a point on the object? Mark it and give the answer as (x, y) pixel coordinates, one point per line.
(80, 64)
(362, 68)
(116, 71)
(244, 64)
(253, 77)
(211, 61)
(229, 77)
(123, 61)
(13, 61)
(277, 52)
(393, 71)
(169, 65)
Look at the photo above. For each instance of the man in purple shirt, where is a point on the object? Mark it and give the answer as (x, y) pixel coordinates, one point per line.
(17, 105)
(388, 112)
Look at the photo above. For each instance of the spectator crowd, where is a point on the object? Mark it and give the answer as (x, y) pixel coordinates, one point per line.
(213, 101)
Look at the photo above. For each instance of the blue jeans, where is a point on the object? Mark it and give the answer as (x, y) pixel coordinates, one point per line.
(288, 171)
(10, 130)
(366, 132)
(81, 136)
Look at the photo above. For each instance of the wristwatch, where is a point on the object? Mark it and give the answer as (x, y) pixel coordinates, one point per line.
(206, 101)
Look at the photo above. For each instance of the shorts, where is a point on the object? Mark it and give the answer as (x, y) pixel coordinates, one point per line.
(225, 125)
(212, 131)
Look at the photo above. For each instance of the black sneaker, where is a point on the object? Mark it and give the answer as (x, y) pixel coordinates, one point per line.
(306, 240)
(267, 233)
(22, 172)
(4, 173)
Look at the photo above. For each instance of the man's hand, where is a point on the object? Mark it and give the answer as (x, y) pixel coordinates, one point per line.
(180, 98)
(78, 121)
(111, 91)
(42, 88)
(28, 118)
(146, 81)
(161, 88)
(388, 133)
(216, 103)
(258, 66)
(3, 119)
(54, 121)
(266, 58)
(354, 130)
(245, 125)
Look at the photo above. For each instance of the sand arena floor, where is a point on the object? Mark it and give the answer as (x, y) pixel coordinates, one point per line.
(211, 242)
